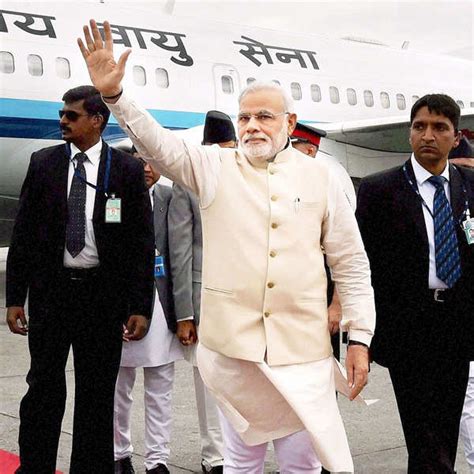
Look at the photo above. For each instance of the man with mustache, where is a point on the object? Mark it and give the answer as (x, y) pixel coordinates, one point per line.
(82, 249)
(266, 211)
(414, 221)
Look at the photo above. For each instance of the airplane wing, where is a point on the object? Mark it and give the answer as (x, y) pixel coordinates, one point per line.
(389, 134)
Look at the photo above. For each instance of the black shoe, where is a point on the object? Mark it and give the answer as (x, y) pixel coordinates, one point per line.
(124, 466)
(213, 470)
(158, 469)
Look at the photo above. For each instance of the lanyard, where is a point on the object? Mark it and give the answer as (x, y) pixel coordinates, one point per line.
(105, 188)
(465, 213)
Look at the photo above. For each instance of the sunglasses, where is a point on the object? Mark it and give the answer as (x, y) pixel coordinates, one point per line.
(70, 115)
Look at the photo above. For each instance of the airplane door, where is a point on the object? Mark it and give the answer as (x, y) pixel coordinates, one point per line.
(226, 88)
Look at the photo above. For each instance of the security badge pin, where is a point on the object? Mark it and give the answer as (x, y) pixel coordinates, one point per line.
(113, 210)
(468, 227)
(160, 270)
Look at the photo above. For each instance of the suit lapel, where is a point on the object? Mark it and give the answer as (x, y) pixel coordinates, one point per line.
(61, 177)
(99, 203)
(412, 202)
(158, 207)
(458, 198)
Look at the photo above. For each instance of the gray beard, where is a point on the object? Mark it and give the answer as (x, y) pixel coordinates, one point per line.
(264, 153)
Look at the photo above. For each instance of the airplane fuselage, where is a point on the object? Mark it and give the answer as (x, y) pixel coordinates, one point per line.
(180, 68)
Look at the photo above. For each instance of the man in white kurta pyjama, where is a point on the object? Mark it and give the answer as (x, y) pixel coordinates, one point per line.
(156, 353)
(267, 213)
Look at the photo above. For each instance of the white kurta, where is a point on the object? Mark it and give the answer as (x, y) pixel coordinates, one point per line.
(264, 403)
(159, 347)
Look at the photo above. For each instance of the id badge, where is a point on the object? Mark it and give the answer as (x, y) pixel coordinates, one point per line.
(160, 266)
(468, 226)
(113, 211)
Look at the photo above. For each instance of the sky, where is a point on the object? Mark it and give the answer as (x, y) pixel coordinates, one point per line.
(439, 26)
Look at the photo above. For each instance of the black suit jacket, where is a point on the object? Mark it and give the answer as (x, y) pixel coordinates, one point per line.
(392, 226)
(125, 250)
(164, 285)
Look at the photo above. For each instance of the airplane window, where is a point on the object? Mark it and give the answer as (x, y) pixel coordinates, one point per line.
(63, 68)
(385, 100)
(334, 95)
(250, 80)
(139, 75)
(227, 85)
(472, 105)
(35, 65)
(460, 103)
(7, 62)
(351, 96)
(368, 98)
(162, 78)
(296, 91)
(414, 98)
(315, 93)
(401, 102)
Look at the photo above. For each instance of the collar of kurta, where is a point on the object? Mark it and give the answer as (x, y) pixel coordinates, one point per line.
(281, 157)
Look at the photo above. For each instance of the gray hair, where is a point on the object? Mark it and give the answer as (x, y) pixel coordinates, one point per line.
(258, 86)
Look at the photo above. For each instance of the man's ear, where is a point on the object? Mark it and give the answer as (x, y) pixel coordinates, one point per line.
(99, 120)
(458, 139)
(292, 119)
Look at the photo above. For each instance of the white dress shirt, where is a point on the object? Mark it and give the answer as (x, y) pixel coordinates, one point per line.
(88, 257)
(427, 192)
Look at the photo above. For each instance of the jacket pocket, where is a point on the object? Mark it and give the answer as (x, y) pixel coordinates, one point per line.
(311, 300)
(219, 291)
(304, 205)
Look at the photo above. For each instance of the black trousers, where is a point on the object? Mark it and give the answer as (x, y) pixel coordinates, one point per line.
(77, 316)
(430, 385)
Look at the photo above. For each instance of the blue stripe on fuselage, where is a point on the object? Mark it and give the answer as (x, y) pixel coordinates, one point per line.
(21, 118)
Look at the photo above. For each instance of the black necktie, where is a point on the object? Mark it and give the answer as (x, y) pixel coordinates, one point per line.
(448, 263)
(76, 203)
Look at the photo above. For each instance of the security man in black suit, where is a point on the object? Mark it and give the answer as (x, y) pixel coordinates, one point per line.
(82, 249)
(417, 226)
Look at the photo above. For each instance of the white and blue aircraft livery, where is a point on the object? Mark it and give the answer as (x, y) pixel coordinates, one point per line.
(180, 68)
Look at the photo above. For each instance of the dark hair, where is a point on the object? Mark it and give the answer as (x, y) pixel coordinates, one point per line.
(93, 103)
(441, 104)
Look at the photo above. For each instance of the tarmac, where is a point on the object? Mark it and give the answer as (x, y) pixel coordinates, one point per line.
(374, 432)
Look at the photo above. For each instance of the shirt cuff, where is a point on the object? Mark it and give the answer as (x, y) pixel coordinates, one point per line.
(360, 336)
(189, 318)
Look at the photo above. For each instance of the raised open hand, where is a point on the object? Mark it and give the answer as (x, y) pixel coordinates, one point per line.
(105, 73)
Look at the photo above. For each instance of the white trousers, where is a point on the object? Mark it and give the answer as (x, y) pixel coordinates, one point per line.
(158, 385)
(212, 446)
(467, 420)
(294, 453)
